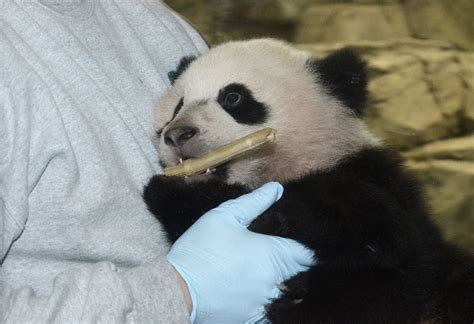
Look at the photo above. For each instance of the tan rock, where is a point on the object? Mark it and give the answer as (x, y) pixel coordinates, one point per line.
(409, 118)
(468, 112)
(467, 67)
(444, 77)
(466, 60)
(446, 19)
(375, 1)
(349, 22)
(390, 46)
(388, 61)
(448, 187)
(417, 89)
(397, 77)
(461, 149)
(224, 20)
(463, 11)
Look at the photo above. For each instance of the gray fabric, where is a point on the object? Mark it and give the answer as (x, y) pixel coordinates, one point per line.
(78, 82)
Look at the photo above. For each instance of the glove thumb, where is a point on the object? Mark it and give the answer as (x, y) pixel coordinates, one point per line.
(299, 253)
(249, 206)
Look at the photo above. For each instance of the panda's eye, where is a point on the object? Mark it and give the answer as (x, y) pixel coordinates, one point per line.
(238, 101)
(233, 98)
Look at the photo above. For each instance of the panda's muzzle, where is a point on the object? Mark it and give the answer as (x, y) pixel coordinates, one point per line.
(180, 135)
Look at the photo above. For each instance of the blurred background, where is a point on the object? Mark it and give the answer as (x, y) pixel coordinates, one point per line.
(420, 55)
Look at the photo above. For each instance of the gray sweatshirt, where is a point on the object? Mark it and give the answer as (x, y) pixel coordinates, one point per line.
(78, 81)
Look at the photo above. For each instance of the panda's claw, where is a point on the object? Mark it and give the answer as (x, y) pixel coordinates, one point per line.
(283, 288)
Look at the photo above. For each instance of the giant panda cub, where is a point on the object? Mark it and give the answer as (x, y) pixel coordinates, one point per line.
(347, 196)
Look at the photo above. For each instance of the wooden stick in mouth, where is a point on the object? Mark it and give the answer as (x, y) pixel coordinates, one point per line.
(223, 154)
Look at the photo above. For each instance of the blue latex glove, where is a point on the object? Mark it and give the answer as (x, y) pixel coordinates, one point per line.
(230, 271)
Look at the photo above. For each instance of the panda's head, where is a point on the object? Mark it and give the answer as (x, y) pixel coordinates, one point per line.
(240, 87)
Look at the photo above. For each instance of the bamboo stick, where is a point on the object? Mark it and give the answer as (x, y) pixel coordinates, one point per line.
(223, 154)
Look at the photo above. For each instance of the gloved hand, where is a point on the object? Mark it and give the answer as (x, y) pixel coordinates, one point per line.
(230, 271)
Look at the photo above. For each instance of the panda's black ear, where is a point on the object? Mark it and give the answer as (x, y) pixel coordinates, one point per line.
(182, 66)
(344, 74)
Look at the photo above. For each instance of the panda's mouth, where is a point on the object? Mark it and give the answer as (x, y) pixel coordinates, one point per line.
(208, 172)
(221, 155)
(219, 172)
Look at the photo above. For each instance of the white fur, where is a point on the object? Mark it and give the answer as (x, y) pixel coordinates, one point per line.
(314, 130)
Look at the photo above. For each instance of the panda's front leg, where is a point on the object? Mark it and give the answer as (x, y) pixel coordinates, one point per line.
(289, 218)
(177, 204)
(291, 306)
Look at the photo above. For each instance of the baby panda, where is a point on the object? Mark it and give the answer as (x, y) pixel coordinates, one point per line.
(347, 196)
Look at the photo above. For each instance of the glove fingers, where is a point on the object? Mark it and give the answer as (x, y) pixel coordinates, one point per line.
(248, 207)
(260, 318)
(300, 253)
(257, 318)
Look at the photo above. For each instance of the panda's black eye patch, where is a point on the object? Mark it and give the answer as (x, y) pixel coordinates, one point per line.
(239, 102)
(177, 108)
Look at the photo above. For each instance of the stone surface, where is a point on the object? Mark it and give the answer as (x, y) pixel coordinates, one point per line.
(461, 148)
(448, 187)
(217, 19)
(349, 22)
(468, 112)
(333, 21)
(467, 67)
(418, 90)
(446, 170)
(446, 19)
(463, 11)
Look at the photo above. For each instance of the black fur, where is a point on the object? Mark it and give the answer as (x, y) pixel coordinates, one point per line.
(380, 259)
(248, 110)
(182, 66)
(178, 107)
(167, 198)
(344, 75)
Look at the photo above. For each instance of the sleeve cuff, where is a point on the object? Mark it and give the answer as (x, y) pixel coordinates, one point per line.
(157, 294)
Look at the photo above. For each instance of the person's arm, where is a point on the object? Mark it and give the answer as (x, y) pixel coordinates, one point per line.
(13, 170)
(89, 292)
(97, 292)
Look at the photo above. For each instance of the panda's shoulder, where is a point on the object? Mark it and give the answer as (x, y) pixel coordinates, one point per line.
(371, 169)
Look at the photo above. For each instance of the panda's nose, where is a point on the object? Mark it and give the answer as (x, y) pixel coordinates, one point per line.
(178, 136)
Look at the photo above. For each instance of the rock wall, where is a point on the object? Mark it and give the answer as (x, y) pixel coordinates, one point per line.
(420, 56)
(420, 91)
(308, 21)
(334, 21)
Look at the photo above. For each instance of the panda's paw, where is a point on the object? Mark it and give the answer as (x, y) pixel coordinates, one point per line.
(162, 194)
(292, 302)
(170, 200)
(285, 310)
